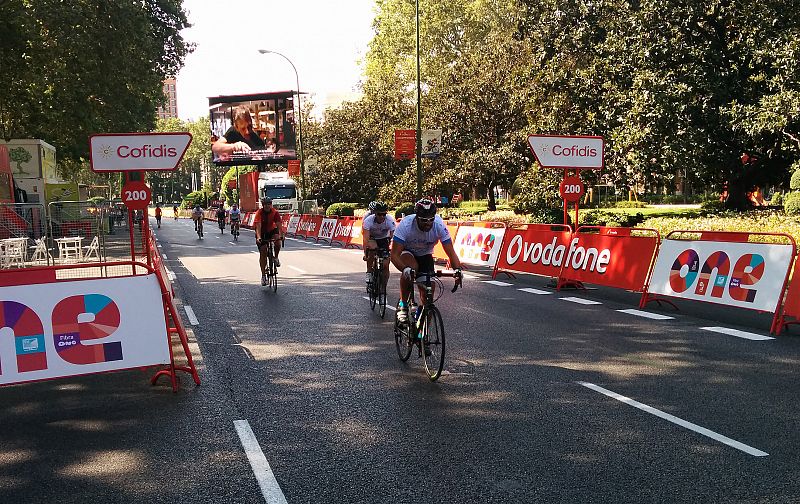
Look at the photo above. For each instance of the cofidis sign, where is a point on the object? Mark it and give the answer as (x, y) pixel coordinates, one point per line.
(116, 152)
(582, 152)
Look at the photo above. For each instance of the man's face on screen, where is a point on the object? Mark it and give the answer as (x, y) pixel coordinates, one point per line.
(242, 126)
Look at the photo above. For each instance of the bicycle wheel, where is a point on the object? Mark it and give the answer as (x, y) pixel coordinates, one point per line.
(273, 271)
(432, 335)
(373, 287)
(382, 297)
(402, 340)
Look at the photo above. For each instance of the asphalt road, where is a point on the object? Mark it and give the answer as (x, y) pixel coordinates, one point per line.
(544, 399)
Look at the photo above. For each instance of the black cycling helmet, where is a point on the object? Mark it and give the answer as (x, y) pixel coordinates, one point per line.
(266, 200)
(379, 207)
(371, 206)
(425, 208)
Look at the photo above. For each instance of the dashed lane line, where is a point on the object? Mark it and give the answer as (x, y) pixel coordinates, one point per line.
(497, 282)
(387, 306)
(738, 333)
(296, 269)
(190, 313)
(640, 313)
(581, 301)
(678, 421)
(531, 290)
(270, 488)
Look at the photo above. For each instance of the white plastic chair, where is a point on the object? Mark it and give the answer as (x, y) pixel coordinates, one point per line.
(15, 251)
(40, 252)
(93, 249)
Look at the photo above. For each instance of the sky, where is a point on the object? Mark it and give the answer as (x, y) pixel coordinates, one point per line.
(325, 39)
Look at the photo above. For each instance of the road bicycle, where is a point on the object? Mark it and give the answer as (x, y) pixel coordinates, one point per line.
(272, 269)
(200, 229)
(235, 230)
(426, 330)
(221, 223)
(376, 287)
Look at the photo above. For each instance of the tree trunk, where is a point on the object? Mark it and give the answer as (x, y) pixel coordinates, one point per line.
(490, 192)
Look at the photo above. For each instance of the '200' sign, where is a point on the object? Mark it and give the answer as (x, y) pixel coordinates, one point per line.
(69, 334)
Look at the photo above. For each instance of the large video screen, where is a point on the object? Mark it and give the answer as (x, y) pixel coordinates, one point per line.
(254, 129)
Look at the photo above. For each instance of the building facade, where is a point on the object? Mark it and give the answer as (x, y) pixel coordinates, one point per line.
(171, 108)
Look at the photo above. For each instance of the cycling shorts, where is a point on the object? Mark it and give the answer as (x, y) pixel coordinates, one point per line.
(382, 244)
(425, 264)
(270, 236)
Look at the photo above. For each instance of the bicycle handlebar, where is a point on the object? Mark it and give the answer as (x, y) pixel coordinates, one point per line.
(456, 274)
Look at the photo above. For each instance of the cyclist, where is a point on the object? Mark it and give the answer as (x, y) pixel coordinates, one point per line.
(175, 211)
(377, 230)
(221, 216)
(267, 225)
(235, 216)
(412, 249)
(158, 215)
(197, 215)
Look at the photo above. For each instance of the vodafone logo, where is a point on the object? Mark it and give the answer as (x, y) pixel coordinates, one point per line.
(146, 151)
(576, 257)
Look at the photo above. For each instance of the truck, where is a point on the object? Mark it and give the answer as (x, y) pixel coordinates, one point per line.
(282, 189)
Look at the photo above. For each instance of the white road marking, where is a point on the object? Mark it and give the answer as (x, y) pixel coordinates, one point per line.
(738, 333)
(387, 305)
(296, 269)
(266, 478)
(640, 313)
(471, 275)
(254, 252)
(497, 282)
(159, 246)
(531, 290)
(357, 252)
(678, 421)
(164, 256)
(190, 313)
(171, 275)
(580, 300)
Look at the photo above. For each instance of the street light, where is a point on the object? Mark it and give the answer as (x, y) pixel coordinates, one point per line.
(299, 119)
(419, 116)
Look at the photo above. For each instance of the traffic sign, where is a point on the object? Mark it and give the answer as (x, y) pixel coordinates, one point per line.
(122, 152)
(405, 144)
(293, 167)
(582, 152)
(571, 189)
(136, 195)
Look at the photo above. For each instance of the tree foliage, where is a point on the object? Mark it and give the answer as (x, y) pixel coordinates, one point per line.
(71, 69)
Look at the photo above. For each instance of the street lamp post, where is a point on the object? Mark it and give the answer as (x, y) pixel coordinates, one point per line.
(299, 120)
(419, 118)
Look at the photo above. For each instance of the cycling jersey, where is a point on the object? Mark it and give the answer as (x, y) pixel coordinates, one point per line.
(235, 214)
(158, 212)
(378, 230)
(420, 242)
(197, 214)
(268, 222)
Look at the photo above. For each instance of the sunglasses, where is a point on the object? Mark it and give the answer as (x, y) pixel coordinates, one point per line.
(427, 220)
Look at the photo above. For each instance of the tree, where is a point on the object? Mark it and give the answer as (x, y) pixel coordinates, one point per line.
(75, 68)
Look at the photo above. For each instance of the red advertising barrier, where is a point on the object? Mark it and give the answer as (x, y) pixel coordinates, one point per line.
(343, 233)
(791, 305)
(744, 270)
(539, 249)
(309, 225)
(610, 256)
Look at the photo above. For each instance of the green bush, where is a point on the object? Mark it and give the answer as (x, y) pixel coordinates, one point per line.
(342, 209)
(777, 199)
(97, 200)
(201, 197)
(610, 219)
(547, 216)
(714, 205)
(791, 204)
(631, 204)
(406, 208)
(506, 216)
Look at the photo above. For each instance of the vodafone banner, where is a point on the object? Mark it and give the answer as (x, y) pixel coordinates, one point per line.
(81, 327)
(611, 256)
(291, 229)
(747, 275)
(534, 248)
(137, 151)
(478, 245)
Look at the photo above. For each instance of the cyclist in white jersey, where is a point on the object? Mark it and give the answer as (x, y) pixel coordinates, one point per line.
(376, 233)
(412, 249)
(235, 216)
